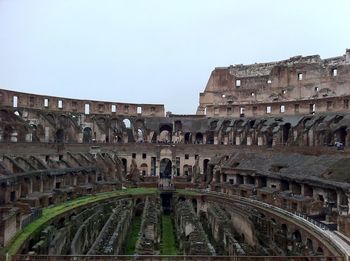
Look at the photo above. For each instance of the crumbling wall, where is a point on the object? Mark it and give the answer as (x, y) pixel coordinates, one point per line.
(190, 233)
(114, 232)
(149, 236)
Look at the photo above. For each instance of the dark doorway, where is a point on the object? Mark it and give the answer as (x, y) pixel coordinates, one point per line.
(165, 168)
(199, 138)
(286, 129)
(59, 136)
(87, 135)
(188, 137)
(125, 165)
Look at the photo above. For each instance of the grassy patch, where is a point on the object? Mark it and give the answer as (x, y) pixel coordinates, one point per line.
(168, 243)
(133, 236)
(186, 192)
(52, 212)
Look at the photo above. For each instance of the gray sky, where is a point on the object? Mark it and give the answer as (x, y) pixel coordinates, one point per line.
(155, 51)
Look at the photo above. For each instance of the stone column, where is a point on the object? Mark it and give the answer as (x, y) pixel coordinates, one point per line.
(47, 134)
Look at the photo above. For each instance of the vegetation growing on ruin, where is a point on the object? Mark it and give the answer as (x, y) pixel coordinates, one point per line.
(133, 236)
(168, 242)
(51, 212)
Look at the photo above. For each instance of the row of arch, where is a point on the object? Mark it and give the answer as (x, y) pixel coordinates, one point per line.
(166, 168)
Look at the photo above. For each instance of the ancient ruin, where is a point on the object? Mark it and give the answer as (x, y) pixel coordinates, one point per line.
(262, 169)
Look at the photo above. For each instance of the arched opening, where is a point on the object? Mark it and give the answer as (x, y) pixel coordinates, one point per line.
(140, 135)
(118, 139)
(319, 251)
(165, 133)
(249, 180)
(7, 133)
(144, 169)
(187, 170)
(327, 138)
(309, 245)
(217, 176)
(125, 165)
(165, 168)
(178, 126)
(154, 137)
(87, 135)
(296, 236)
(213, 125)
(341, 135)
(59, 136)
(194, 204)
(242, 238)
(286, 129)
(239, 179)
(284, 185)
(199, 138)
(17, 113)
(210, 137)
(269, 140)
(284, 229)
(127, 123)
(188, 137)
(205, 165)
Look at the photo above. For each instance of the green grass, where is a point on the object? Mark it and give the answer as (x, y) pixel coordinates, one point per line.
(133, 236)
(51, 212)
(168, 243)
(187, 192)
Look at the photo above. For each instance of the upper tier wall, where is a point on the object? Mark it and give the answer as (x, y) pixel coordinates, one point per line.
(261, 86)
(43, 102)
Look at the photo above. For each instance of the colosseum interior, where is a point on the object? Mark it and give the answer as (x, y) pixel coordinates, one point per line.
(262, 169)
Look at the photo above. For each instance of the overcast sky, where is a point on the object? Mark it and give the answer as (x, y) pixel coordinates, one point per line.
(155, 51)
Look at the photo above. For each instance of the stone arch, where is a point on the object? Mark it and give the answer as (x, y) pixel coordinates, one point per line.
(296, 236)
(87, 135)
(165, 133)
(187, 170)
(284, 229)
(319, 251)
(178, 126)
(59, 136)
(139, 124)
(154, 137)
(213, 125)
(188, 137)
(50, 118)
(341, 134)
(165, 168)
(195, 204)
(144, 169)
(210, 137)
(285, 133)
(7, 133)
(269, 139)
(127, 123)
(205, 165)
(199, 138)
(18, 113)
(309, 245)
(118, 139)
(140, 135)
(125, 165)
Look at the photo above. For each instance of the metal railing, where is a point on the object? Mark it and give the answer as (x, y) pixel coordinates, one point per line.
(170, 258)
